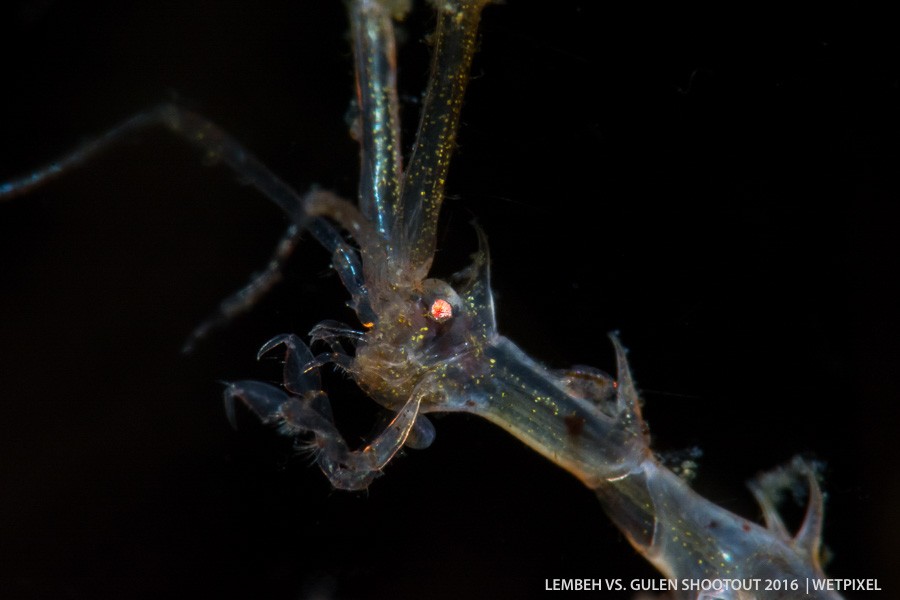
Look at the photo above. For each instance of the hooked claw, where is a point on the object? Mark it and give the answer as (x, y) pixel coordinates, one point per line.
(304, 409)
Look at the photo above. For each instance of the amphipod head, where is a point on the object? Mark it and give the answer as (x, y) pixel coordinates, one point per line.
(422, 325)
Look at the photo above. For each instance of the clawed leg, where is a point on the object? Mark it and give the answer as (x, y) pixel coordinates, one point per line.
(304, 410)
(344, 261)
(332, 332)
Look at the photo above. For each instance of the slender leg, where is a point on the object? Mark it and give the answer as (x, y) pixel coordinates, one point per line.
(768, 489)
(219, 146)
(344, 260)
(328, 331)
(246, 297)
(299, 375)
(194, 128)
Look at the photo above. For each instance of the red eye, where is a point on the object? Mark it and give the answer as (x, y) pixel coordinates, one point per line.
(441, 310)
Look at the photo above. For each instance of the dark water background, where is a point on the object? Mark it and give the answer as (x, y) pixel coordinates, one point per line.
(721, 188)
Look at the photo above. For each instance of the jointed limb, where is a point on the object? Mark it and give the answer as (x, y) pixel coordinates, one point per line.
(219, 146)
(190, 126)
(252, 292)
(304, 410)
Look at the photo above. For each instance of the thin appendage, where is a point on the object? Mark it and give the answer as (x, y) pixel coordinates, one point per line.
(196, 129)
(345, 261)
(219, 146)
(768, 489)
(338, 359)
(299, 377)
(305, 410)
(358, 280)
(23, 185)
(263, 399)
(245, 298)
(331, 332)
(422, 189)
(375, 55)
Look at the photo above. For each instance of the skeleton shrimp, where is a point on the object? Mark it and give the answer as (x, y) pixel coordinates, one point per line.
(431, 345)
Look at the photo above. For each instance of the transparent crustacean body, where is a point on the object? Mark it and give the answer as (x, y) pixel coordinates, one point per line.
(431, 345)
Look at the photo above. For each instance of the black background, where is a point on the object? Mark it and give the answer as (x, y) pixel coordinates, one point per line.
(720, 187)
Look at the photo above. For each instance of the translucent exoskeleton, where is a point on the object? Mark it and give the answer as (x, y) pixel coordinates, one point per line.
(430, 345)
